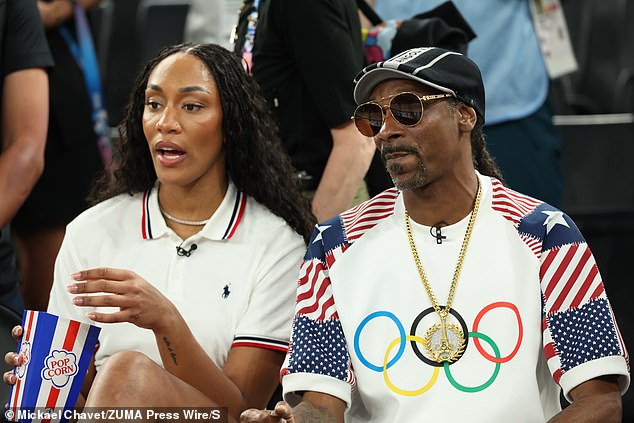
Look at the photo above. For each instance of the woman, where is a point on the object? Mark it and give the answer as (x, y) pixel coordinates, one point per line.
(212, 219)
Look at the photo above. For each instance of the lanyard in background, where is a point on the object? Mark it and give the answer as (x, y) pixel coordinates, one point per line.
(86, 58)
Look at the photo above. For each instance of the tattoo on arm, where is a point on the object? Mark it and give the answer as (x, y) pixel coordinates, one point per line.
(169, 348)
(307, 413)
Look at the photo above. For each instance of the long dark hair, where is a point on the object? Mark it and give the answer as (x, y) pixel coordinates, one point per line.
(255, 159)
(483, 161)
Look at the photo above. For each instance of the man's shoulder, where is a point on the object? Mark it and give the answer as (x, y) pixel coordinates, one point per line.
(339, 233)
(540, 225)
(360, 219)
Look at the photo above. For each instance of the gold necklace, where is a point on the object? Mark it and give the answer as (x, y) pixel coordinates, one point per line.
(443, 341)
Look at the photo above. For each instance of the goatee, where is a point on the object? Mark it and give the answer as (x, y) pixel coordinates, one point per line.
(396, 169)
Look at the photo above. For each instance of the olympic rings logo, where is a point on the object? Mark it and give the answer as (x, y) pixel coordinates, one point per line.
(414, 340)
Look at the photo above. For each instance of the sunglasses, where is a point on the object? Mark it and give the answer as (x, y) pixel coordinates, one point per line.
(406, 108)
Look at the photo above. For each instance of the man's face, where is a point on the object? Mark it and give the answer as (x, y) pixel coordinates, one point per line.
(418, 155)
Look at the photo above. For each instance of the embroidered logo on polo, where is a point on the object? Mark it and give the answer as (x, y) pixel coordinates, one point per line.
(226, 291)
(418, 344)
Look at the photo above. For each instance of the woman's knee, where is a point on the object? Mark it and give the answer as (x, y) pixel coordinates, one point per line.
(128, 364)
(124, 377)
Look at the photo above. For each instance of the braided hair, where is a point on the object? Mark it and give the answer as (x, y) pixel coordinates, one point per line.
(255, 159)
(483, 161)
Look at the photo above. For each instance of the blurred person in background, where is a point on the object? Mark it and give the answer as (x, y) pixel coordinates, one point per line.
(72, 155)
(519, 129)
(211, 21)
(24, 58)
(305, 57)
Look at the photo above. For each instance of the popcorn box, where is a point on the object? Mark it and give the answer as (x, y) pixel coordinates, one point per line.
(58, 352)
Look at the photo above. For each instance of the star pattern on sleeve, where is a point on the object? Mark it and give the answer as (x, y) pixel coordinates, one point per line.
(554, 218)
(584, 334)
(319, 347)
(320, 229)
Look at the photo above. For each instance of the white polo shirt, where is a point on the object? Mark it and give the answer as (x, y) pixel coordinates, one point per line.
(237, 288)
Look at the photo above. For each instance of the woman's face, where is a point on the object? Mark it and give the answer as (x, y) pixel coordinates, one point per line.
(182, 123)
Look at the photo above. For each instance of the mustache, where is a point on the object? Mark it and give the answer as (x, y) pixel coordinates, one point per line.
(392, 148)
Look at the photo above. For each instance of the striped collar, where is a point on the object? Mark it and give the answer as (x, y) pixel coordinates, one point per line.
(222, 224)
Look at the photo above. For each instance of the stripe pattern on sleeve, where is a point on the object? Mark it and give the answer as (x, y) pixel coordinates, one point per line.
(318, 344)
(578, 324)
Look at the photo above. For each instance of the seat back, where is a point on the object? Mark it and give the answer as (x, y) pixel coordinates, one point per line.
(602, 39)
(159, 23)
(117, 53)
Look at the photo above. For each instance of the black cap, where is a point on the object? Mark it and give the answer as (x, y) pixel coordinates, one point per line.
(447, 71)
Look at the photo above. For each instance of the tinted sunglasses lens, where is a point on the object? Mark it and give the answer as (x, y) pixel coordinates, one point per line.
(368, 119)
(407, 109)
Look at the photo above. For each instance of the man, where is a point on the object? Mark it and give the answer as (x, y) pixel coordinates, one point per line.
(24, 56)
(450, 298)
(305, 57)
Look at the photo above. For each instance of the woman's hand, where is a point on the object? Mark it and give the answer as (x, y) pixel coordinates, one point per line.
(138, 301)
(13, 359)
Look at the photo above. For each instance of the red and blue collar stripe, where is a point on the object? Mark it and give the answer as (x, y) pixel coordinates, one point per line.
(237, 213)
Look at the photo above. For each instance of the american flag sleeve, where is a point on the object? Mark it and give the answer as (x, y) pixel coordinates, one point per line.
(318, 358)
(580, 335)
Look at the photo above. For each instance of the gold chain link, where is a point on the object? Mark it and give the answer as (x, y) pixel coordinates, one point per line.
(463, 251)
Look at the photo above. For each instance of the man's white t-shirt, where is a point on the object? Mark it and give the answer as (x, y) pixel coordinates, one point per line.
(530, 302)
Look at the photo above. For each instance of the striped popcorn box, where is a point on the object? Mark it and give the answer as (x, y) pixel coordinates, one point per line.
(57, 352)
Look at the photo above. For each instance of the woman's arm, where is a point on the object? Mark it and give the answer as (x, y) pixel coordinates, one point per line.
(250, 375)
(248, 378)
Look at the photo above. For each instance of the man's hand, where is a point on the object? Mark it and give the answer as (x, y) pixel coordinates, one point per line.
(281, 414)
(315, 407)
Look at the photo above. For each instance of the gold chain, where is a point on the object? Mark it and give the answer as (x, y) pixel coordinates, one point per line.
(463, 250)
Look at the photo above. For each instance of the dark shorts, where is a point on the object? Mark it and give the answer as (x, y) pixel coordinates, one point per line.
(60, 193)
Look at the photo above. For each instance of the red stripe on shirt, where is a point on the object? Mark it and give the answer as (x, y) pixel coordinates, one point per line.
(560, 271)
(243, 203)
(258, 345)
(583, 290)
(549, 350)
(572, 280)
(144, 217)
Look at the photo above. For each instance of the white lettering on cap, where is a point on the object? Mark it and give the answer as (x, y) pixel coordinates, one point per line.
(408, 55)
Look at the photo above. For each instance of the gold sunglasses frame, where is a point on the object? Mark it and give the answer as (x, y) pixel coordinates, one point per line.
(421, 98)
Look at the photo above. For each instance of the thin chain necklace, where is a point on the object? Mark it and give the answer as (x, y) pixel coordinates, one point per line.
(182, 221)
(438, 342)
(176, 219)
